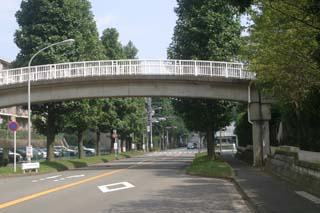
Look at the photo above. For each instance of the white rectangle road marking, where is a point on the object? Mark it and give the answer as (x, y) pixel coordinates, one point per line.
(110, 187)
(308, 196)
(53, 177)
(75, 176)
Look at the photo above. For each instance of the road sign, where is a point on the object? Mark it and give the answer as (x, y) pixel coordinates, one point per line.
(114, 134)
(29, 151)
(13, 126)
(115, 146)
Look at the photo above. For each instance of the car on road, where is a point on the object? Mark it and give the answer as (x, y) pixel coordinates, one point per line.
(62, 151)
(87, 151)
(11, 156)
(192, 145)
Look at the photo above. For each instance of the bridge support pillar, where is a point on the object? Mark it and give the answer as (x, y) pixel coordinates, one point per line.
(260, 115)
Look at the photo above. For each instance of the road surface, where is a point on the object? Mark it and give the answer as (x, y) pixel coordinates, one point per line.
(155, 182)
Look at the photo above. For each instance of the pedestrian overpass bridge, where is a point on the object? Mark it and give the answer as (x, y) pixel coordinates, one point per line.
(136, 78)
(126, 78)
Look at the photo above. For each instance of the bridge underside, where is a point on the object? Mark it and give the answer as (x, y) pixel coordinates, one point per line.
(136, 86)
(148, 86)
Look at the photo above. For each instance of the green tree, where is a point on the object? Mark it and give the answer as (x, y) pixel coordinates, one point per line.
(284, 48)
(204, 115)
(173, 120)
(130, 117)
(205, 30)
(82, 115)
(112, 47)
(130, 51)
(43, 22)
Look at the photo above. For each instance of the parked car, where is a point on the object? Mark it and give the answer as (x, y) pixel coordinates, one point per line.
(87, 151)
(65, 152)
(37, 153)
(11, 156)
(191, 145)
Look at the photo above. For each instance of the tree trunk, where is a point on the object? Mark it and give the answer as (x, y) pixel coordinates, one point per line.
(210, 143)
(112, 142)
(299, 124)
(98, 143)
(50, 133)
(5, 157)
(80, 144)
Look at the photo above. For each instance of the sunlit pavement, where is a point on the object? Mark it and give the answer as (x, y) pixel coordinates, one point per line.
(155, 182)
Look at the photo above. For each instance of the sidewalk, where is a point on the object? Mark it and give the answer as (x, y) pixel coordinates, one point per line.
(270, 194)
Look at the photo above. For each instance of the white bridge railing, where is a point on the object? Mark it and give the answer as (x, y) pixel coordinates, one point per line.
(126, 68)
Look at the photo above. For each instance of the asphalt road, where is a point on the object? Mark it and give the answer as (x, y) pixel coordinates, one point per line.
(154, 182)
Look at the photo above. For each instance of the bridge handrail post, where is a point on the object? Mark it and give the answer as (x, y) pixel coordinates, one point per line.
(7, 77)
(36, 74)
(130, 64)
(54, 72)
(211, 69)
(241, 70)
(21, 76)
(112, 67)
(227, 72)
(195, 69)
(99, 68)
(175, 66)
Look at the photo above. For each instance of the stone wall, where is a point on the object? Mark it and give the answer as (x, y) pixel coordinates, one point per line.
(302, 155)
(305, 174)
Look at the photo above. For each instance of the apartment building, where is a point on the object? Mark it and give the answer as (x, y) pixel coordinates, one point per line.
(12, 113)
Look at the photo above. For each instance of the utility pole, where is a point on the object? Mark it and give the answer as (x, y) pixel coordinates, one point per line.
(150, 112)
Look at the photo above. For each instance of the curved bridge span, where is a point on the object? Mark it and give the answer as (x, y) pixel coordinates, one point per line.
(125, 78)
(141, 78)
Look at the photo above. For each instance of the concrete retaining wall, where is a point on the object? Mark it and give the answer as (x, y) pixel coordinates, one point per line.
(298, 172)
(303, 155)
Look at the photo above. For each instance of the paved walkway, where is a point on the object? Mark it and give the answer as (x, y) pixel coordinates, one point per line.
(270, 194)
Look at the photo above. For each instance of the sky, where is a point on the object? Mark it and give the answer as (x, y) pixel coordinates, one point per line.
(148, 24)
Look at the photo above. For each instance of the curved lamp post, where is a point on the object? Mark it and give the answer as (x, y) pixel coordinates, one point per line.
(68, 41)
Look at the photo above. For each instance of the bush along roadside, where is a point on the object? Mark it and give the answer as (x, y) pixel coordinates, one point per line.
(202, 165)
(62, 165)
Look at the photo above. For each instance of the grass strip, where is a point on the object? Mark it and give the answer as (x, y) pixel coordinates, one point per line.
(62, 165)
(204, 166)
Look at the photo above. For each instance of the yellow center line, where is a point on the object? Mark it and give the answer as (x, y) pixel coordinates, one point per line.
(39, 194)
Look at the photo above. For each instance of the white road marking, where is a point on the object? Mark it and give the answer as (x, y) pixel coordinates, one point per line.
(46, 178)
(59, 179)
(53, 177)
(75, 176)
(122, 185)
(308, 196)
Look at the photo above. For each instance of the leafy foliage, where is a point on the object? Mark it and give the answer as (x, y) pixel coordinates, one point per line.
(287, 65)
(113, 49)
(43, 22)
(205, 30)
(283, 48)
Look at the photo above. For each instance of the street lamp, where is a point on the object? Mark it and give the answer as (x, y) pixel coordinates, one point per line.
(68, 41)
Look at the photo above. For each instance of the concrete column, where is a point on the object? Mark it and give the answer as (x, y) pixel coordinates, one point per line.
(260, 115)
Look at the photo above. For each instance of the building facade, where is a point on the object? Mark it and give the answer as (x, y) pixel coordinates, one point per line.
(12, 113)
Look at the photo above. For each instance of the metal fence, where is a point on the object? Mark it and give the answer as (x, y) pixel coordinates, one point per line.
(126, 68)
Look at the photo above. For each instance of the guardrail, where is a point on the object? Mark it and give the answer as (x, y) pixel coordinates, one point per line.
(126, 68)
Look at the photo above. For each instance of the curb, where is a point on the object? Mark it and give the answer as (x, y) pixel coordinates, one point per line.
(246, 198)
